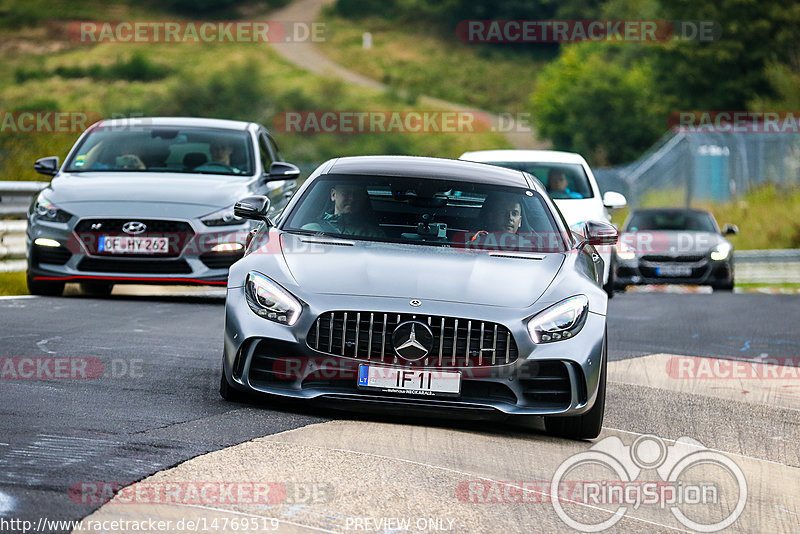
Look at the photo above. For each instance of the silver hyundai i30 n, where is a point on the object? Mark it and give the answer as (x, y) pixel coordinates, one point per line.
(421, 285)
(150, 201)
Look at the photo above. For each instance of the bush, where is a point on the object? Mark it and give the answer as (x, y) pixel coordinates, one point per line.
(600, 100)
(446, 13)
(238, 94)
(353, 9)
(22, 75)
(136, 69)
(211, 7)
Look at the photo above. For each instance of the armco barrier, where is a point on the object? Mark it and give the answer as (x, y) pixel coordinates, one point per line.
(767, 266)
(15, 197)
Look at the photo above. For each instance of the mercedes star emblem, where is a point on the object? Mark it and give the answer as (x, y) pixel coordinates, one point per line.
(412, 340)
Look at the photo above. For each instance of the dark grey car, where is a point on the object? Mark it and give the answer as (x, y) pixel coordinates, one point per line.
(427, 298)
(674, 246)
(150, 200)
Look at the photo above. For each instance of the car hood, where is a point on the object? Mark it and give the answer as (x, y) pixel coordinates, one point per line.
(174, 188)
(673, 243)
(419, 272)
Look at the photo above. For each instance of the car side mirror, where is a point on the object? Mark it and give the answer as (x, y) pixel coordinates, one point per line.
(254, 208)
(47, 166)
(613, 200)
(280, 170)
(598, 233)
(730, 229)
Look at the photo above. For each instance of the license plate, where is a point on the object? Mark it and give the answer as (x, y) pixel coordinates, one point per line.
(674, 270)
(414, 381)
(133, 245)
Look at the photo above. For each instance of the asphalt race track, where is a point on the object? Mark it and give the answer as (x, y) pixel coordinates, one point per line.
(150, 402)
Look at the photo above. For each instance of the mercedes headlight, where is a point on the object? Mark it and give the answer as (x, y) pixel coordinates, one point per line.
(45, 210)
(223, 217)
(560, 321)
(270, 301)
(625, 252)
(721, 251)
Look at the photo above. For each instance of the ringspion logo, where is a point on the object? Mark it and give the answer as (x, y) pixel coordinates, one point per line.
(689, 476)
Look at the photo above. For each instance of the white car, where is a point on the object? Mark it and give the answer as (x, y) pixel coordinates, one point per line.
(570, 183)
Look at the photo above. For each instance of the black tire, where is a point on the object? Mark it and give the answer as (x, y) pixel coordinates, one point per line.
(724, 286)
(589, 424)
(96, 289)
(230, 394)
(45, 288)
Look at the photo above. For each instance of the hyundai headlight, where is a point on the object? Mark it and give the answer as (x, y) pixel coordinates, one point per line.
(270, 301)
(560, 321)
(721, 251)
(223, 217)
(45, 210)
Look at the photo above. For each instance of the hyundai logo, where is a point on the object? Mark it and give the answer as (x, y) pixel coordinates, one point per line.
(134, 227)
(412, 340)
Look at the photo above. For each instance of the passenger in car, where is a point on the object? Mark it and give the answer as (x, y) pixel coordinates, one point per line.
(130, 162)
(504, 225)
(350, 213)
(499, 222)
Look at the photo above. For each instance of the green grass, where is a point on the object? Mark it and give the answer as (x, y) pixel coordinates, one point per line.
(423, 62)
(768, 217)
(13, 284)
(29, 13)
(32, 13)
(794, 286)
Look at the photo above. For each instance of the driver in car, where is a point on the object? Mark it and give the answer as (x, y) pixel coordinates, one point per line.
(221, 152)
(352, 214)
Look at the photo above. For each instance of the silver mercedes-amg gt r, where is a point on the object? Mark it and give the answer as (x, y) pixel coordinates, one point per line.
(421, 285)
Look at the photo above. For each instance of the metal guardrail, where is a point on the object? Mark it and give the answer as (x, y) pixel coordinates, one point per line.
(12, 246)
(15, 197)
(767, 266)
(752, 266)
